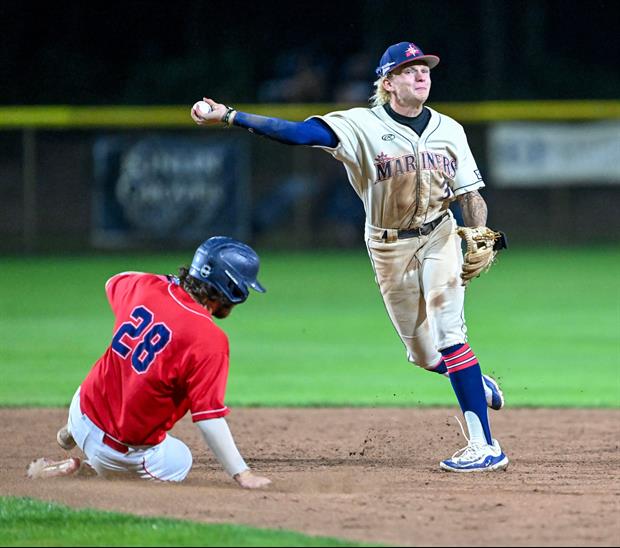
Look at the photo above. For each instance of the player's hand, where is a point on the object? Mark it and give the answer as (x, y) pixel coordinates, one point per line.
(213, 117)
(247, 480)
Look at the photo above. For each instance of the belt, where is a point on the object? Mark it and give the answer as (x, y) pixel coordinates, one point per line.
(424, 230)
(116, 445)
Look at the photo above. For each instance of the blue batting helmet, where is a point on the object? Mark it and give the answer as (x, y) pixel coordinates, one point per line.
(229, 266)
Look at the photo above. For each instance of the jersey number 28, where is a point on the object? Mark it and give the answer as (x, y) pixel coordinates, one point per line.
(151, 339)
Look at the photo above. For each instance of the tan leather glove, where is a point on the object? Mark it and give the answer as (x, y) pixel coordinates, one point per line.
(483, 244)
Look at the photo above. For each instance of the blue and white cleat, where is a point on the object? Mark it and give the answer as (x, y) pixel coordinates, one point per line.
(493, 393)
(477, 457)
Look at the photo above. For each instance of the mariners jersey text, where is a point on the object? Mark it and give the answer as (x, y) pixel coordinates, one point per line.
(404, 180)
(392, 167)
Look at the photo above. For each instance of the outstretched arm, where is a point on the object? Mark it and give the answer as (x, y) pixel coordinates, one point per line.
(219, 439)
(474, 208)
(311, 132)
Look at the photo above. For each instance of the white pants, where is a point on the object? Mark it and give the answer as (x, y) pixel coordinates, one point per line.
(420, 283)
(171, 460)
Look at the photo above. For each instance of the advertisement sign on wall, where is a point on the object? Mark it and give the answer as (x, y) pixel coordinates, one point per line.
(169, 188)
(530, 154)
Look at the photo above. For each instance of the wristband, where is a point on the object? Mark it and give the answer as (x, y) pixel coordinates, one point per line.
(226, 117)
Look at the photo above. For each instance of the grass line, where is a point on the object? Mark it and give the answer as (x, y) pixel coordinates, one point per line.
(28, 522)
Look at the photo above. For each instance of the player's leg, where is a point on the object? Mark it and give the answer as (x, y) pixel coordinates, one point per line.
(49, 468)
(492, 391)
(64, 436)
(171, 460)
(437, 251)
(397, 275)
(445, 297)
(65, 439)
(397, 269)
(81, 431)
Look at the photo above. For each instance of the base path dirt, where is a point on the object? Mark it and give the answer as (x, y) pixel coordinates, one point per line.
(366, 475)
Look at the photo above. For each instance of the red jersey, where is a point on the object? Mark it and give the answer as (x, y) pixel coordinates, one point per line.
(167, 356)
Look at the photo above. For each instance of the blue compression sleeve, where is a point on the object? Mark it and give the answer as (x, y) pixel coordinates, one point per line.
(311, 132)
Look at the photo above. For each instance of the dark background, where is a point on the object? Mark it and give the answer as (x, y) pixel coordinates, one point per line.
(171, 52)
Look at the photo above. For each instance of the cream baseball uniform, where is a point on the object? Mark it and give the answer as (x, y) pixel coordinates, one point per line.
(406, 172)
(406, 182)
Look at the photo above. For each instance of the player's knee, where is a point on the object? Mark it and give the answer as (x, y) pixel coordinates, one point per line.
(187, 464)
(428, 359)
(419, 361)
(183, 462)
(412, 359)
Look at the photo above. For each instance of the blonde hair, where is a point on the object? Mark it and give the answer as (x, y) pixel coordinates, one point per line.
(381, 96)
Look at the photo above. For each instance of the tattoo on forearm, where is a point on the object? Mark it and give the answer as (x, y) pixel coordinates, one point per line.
(474, 209)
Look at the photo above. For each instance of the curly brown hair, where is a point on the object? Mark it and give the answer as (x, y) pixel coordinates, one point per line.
(200, 291)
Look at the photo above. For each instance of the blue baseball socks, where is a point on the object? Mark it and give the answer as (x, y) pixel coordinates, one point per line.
(466, 378)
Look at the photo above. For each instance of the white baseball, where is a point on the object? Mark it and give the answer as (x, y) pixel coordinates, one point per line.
(203, 108)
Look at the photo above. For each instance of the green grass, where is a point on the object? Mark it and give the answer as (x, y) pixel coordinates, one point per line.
(545, 321)
(26, 522)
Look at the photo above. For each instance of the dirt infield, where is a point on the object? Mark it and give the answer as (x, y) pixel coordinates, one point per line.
(367, 475)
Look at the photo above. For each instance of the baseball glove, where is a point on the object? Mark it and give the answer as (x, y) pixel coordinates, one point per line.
(482, 247)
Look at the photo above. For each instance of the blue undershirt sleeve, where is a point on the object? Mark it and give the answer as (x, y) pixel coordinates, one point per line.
(312, 132)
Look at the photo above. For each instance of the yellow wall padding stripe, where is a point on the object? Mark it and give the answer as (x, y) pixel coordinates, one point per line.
(71, 117)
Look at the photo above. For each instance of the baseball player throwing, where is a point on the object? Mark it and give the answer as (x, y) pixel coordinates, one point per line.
(407, 162)
(166, 357)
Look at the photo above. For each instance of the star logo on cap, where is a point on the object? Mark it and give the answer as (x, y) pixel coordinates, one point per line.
(412, 50)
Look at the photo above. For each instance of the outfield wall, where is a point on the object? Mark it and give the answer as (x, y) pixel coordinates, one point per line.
(551, 171)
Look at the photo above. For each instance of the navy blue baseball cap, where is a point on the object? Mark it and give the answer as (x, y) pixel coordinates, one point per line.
(401, 53)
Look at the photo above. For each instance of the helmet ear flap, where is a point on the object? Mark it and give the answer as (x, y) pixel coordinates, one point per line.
(238, 290)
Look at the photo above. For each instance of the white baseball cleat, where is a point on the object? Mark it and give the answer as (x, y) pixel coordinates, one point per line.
(493, 393)
(477, 457)
(47, 468)
(65, 439)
